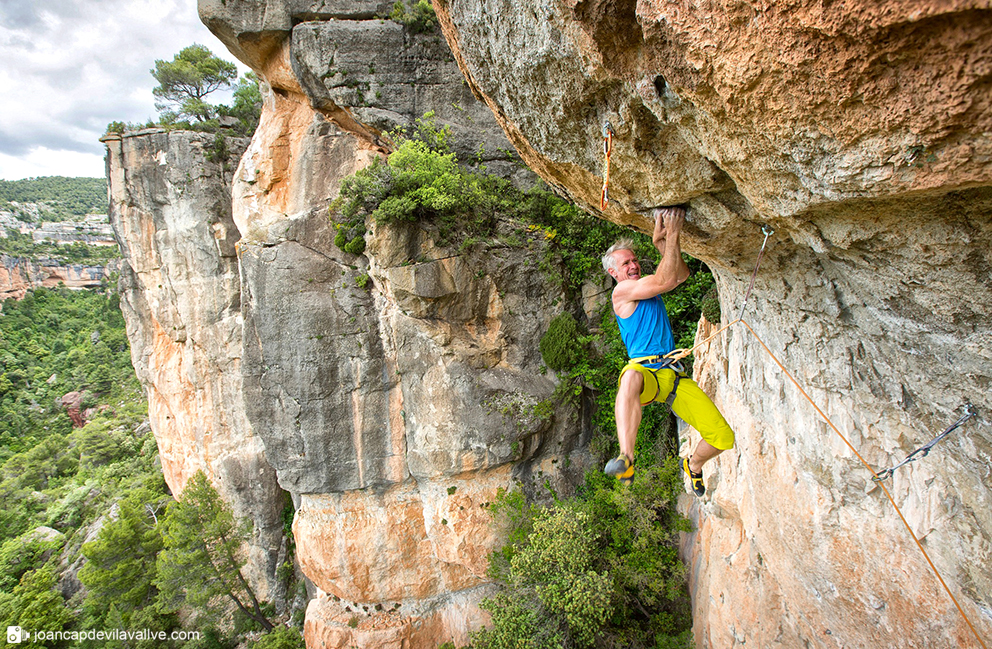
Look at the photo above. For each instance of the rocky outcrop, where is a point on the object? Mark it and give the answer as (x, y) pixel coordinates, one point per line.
(181, 297)
(861, 133)
(19, 275)
(392, 394)
(377, 380)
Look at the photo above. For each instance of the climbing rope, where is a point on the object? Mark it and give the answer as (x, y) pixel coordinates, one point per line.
(604, 198)
(924, 450)
(876, 478)
(679, 354)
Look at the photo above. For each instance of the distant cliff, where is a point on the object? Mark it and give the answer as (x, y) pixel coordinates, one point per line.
(18, 275)
(181, 297)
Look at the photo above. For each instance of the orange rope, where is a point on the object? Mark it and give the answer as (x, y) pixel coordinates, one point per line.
(880, 484)
(682, 353)
(678, 354)
(604, 198)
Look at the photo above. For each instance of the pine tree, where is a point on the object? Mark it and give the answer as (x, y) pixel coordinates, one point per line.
(192, 74)
(36, 605)
(120, 563)
(203, 556)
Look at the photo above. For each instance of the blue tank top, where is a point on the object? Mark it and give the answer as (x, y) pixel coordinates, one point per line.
(647, 332)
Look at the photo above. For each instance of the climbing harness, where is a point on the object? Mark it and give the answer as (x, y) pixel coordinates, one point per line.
(607, 152)
(925, 449)
(878, 478)
(666, 364)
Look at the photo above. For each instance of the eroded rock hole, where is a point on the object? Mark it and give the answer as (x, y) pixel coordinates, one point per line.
(659, 85)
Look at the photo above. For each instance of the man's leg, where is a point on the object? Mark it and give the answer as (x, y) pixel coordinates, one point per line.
(696, 409)
(628, 411)
(704, 453)
(628, 414)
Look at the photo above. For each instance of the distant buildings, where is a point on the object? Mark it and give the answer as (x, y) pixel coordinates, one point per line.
(94, 229)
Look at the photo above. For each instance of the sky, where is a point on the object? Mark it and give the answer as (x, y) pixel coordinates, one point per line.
(70, 67)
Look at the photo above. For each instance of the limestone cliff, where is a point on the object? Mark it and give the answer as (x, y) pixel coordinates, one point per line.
(390, 393)
(366, 385)
(181, 297)
(862, 133)
(19, 275)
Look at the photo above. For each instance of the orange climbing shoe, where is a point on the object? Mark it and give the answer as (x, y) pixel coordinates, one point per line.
(622, 468)
(696, 479)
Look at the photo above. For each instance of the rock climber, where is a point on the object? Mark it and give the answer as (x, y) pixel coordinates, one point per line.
(647, 334)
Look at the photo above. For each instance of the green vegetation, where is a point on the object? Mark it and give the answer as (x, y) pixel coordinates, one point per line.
(245, 111)
(77, 252)
(599, 569)
(53, 342)
(203, 558)
(185, 82)
(52, 475)
(710, 305)
(418, 16)
(97, 492)
(280, 638)
(560, 346)
(422, 181)
(59, 198)
(247, 105)
(192, 74)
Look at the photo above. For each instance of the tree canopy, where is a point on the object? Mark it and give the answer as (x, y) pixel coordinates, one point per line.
(63, 198)
(192, 74)
(203, 555)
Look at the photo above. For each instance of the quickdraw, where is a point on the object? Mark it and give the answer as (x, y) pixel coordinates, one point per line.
(607, 152)
(925, 449)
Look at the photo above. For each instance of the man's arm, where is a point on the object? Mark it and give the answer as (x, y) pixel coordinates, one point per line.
(672, 270)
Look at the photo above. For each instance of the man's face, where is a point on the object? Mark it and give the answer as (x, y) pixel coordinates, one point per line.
(626, 264)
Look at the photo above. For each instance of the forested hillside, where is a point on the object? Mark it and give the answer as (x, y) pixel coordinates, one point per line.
(61, 198)
(57, 480)
(85, 512)
(77, 252)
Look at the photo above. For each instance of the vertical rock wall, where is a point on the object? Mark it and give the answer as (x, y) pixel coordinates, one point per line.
(393, 390)
(859, 131)
(171, 213)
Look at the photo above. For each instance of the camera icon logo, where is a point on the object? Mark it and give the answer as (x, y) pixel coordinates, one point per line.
(16, 634)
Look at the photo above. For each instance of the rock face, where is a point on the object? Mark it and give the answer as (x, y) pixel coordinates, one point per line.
(392, 394)
(860, 132)
(18, 275)
(171, 212)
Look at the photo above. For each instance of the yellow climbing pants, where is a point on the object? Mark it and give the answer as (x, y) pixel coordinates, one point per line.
(691, 404)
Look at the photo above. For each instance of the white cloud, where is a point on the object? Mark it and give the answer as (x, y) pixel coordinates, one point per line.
(72, 67)
(42, 161)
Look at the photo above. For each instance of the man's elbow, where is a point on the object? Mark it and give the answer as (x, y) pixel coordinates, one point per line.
(673, 282)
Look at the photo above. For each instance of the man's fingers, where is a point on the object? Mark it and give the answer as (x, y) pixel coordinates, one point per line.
(665, 212)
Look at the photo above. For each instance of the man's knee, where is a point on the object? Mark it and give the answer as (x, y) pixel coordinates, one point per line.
(631, 385)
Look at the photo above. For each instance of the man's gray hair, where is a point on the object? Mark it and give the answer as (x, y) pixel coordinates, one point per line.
(622, 244)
